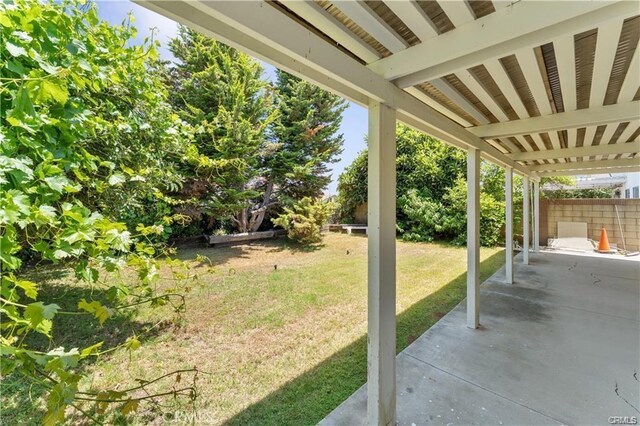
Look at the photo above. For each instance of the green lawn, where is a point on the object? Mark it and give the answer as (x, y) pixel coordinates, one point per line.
(281, 346)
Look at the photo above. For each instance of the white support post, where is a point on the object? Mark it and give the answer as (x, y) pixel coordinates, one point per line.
(508, 202)
(536, 216)
(525, 220)
(381, 387)
(473, 238)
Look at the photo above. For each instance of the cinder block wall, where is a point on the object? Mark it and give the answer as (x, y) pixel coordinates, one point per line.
(597, 213)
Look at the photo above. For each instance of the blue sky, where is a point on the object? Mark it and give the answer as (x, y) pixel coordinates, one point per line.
(354, 123)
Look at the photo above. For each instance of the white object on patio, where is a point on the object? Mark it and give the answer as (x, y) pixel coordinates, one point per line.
(572, 236)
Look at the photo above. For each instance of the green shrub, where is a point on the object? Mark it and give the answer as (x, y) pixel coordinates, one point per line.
(304, 219)
(455, 220)
(422, 217)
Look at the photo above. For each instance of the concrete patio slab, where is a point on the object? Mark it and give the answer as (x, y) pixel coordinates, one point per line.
(560, 346)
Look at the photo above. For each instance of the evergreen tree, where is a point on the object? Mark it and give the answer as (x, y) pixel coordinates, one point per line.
(221, 93)
(308, 138)
(251, 153)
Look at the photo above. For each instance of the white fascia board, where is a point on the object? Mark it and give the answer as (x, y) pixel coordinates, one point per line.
(185, 14)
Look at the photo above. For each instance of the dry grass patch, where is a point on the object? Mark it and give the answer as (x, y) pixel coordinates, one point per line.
(281, 331)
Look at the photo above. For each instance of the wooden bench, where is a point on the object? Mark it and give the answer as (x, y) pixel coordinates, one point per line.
(351, 228)
(245, 237)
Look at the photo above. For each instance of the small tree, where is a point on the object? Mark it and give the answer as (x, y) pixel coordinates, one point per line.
(304, 219)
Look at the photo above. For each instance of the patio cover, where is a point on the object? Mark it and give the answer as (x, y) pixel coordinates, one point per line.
(540, 88)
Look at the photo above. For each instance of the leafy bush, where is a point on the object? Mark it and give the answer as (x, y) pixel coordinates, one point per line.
(422, 217)
(425, 219)
(455, 221)
(432, 191)
(304, 219)
(84, 130)
(422, 163)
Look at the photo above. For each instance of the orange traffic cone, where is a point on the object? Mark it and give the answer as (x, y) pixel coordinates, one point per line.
(603, 245)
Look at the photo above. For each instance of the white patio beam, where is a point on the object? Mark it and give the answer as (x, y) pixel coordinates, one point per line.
(585, 151)
(616, 113)
(523, 24)
(626, 135)
(536, 215)
(502, 80)
(424, 97)
(508, 232)
(322, 20)
(482, 94)
(369, 21)
(261, 30)
(572, 138)
(632, 79)
(487, 100)
(526, 209)
(473, 238)
(589, 135)
(450, 92)
(414, 17)
(594, 171)
(605, 139)
(606, 47)
(497, 145)
(381, 372)
(565, 54)
(458, 12)
(531, 70)
(512, 147)
(625, 162)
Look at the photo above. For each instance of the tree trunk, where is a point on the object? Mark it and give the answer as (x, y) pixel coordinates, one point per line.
(250, 218)
(257, 216)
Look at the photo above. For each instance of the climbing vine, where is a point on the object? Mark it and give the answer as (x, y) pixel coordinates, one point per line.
(81, 118)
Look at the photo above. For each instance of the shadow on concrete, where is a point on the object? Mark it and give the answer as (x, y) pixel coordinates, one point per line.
(311, 396)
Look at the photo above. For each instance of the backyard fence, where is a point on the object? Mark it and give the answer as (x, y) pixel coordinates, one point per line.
(596, 213)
